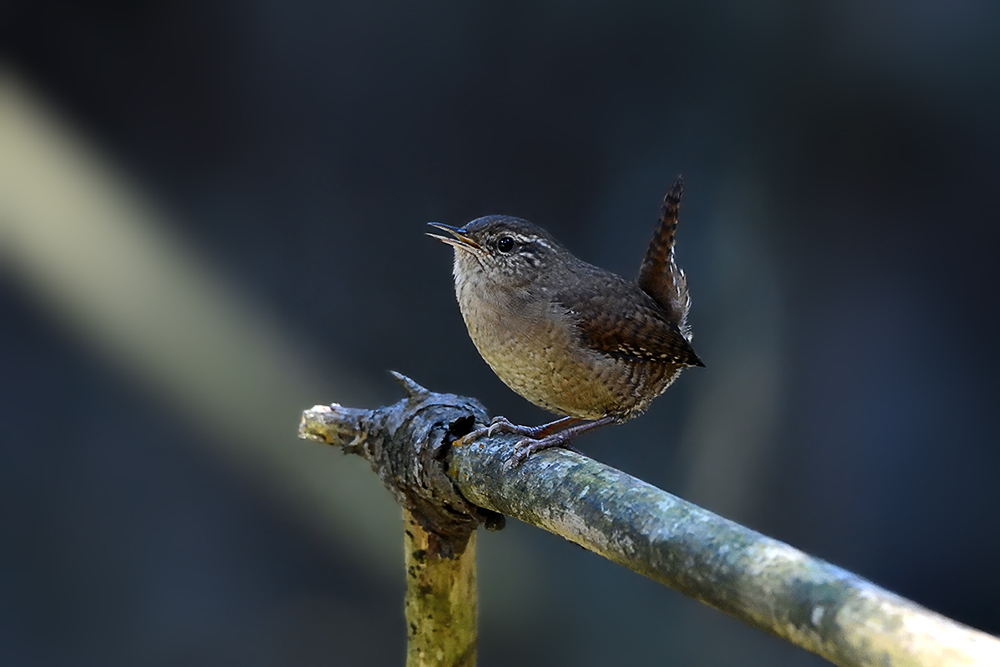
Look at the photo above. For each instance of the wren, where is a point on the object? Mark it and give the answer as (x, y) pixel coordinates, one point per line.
(569, 336)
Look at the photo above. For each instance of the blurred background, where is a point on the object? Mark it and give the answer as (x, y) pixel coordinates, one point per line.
(212, 217)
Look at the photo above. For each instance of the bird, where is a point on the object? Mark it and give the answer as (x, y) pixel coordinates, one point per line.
(572, 338)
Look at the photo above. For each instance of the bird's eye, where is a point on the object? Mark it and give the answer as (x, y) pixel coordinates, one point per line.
(505, 244)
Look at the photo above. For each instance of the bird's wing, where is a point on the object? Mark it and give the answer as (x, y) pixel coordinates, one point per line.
(624, 322)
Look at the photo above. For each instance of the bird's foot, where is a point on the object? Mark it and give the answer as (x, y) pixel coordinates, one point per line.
(499, 426)
(504, 425)
(525, 448)
(539, 438)
(557, 434)
(536, 438)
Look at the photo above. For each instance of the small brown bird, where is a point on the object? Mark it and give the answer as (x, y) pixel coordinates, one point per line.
(568, 336)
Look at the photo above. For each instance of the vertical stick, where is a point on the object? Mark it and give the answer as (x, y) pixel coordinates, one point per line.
(441, 601)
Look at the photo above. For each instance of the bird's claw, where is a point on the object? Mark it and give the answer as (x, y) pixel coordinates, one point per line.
(524, 449)
(535, 438)
(501, 424)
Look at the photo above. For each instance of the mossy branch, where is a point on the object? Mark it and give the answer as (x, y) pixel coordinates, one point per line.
(761, 581)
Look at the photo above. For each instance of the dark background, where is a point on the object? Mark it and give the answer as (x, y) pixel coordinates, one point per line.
(839, 229)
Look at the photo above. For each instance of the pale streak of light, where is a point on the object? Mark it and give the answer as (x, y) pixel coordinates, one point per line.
(103, 263)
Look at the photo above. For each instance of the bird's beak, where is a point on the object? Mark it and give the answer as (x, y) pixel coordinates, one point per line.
(461, 240)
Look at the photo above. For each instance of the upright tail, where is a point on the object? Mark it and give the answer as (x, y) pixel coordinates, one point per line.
(660, 277)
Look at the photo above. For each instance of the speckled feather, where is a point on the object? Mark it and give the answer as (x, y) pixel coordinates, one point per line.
(637, 328)
(660, 277)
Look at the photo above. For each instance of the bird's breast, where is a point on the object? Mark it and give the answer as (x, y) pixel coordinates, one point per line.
(533, 346)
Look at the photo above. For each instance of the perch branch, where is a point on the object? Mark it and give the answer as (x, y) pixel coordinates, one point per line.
(761, 581)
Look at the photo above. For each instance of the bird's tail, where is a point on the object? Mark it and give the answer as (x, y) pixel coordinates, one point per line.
(660, 277)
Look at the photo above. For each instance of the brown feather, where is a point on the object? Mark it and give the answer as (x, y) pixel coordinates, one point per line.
(609, 332)
(659, 276)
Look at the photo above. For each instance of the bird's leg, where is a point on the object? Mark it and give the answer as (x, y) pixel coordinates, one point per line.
(537, 438)
(570, 428)
(504, 425)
